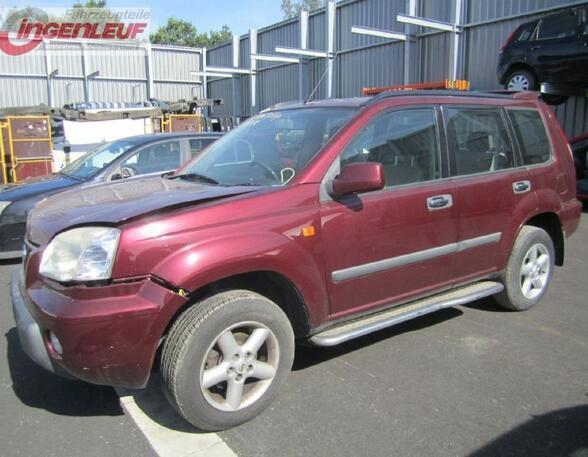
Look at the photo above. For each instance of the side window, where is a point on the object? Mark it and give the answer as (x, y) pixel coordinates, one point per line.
(531, 136)
(478, 140)
(159, 157)
(404, 142)
(562, 26)
(526, 32)
(198, 144)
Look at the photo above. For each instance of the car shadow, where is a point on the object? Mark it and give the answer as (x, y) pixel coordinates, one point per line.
(307, 355)
(487, 304)
(153, 404)
(38, 388)
(563, 432)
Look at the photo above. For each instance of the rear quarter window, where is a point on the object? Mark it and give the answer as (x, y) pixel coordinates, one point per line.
(526, 32)
(531, 136)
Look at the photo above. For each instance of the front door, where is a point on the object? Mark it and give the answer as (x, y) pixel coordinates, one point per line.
(391, 245)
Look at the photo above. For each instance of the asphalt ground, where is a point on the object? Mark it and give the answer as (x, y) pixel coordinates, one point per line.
(473, 380)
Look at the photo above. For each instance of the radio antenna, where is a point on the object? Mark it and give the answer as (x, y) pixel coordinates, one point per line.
(310, 97)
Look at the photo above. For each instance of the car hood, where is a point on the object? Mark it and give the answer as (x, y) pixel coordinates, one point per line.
(114, 203)
(36, 187)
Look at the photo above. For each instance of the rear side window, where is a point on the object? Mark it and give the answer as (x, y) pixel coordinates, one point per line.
(563, 26)
(526, 32)
(198, 144)
(531, 136)
(478, 140)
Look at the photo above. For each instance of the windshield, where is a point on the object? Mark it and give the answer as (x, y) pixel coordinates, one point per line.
(269, 149)
(94, 161)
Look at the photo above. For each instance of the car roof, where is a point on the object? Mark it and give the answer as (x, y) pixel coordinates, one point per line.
(150, 137)
(357, 102)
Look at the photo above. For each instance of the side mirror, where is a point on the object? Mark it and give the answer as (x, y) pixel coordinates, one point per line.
(359, 177)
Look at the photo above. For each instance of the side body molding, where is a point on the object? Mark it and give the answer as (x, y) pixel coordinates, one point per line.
(414, 257)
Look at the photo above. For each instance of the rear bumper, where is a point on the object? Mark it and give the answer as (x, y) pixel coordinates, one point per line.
(570, 214)
(109, 335)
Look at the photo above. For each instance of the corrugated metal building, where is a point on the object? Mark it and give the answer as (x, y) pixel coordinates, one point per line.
(59, 72)
(364, 61)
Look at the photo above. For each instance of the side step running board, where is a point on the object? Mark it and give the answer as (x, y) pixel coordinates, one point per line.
(383, 319)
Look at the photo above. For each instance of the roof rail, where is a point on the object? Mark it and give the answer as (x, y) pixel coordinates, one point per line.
(434, 93)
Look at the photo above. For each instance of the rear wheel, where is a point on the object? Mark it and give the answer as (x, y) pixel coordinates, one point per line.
(521, 80)
(225, 359)
(529, 270)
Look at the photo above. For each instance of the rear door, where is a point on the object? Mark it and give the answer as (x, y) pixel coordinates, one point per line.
(489, 181)
(390, 245)
(557, 48)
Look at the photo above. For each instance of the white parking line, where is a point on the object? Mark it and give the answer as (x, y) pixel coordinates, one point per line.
(167, 433)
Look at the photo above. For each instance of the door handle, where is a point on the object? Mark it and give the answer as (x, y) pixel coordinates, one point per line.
(439, 202)
(534, 48)
(520, 187)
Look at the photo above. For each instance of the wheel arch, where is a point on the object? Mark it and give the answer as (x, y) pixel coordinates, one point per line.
(519, 66)
(551, 223)
(272, 285)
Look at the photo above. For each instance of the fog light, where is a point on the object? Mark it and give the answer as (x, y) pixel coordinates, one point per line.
(55, 343)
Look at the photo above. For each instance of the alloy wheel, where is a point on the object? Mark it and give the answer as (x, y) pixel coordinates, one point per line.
(239, 366)
(535, 271)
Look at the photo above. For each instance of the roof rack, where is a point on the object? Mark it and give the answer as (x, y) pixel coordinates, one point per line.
(432, 93)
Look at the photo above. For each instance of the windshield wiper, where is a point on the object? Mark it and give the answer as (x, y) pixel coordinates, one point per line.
(195, 177)
(77, 178)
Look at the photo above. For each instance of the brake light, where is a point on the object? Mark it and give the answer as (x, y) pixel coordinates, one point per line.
(509, 39)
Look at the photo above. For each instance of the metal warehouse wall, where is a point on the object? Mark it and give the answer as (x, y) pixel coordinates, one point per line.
(369, 61)
(60, 72)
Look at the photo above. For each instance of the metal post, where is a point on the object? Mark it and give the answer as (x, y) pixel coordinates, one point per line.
(410, 46)
(303, 68)
(455, 50)
(253, 77)
(85, 72)
(149, 70)
(203, 76)
(330, 17)
(48, 71)
(236, 80)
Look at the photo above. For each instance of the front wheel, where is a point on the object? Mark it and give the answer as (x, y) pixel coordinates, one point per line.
(225, 359)
(529, 270)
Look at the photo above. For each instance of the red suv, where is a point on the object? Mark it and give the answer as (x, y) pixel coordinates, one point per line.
(319, 221)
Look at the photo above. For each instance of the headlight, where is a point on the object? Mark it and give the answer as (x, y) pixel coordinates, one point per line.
(3, 206)
(81, 254)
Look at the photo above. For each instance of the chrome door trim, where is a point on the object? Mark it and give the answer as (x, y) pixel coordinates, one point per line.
(446, 199)
(414, 257)
(521, 187)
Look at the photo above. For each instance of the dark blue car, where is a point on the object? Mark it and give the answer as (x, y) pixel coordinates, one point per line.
(141, 155)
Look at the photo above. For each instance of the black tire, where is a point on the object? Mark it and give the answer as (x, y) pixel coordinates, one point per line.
(529, 76)
(554, 100)
(189, 345)
(512, 297)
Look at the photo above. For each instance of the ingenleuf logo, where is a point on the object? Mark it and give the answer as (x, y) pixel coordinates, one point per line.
(22, 30)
